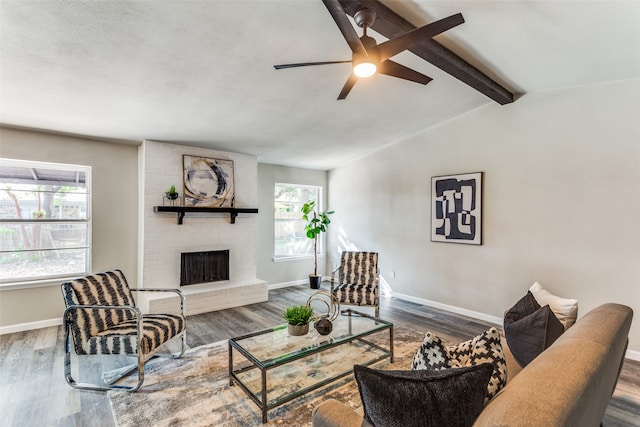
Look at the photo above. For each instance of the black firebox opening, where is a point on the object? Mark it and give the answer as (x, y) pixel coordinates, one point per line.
(204, 267)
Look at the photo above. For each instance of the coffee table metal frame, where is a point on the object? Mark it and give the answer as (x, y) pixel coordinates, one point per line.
(378, 325)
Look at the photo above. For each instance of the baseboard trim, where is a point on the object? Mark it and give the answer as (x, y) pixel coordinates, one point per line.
(633, 355)
(451, 308)
(295, 283)
(287, 284)
(21, 327)
(630, 354)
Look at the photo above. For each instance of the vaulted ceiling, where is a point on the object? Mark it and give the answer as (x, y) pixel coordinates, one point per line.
(201, 72)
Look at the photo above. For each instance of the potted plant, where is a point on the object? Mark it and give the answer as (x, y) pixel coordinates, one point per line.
(171, 194)
(298, 318)
(317, 223)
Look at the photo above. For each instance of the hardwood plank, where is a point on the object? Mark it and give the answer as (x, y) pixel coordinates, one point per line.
(47, 337)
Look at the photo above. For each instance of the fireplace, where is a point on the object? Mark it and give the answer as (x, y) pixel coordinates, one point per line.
(204, 267)
(162, 241)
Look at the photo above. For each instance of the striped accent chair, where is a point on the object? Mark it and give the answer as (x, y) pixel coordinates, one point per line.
(356, 281)
(101, 318)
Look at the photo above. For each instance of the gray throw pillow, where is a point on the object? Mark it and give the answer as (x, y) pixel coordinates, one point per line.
(530, 329)
(524, 307)
(424, 398)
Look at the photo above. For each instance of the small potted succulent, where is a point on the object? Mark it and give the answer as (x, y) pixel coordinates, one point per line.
(171, 194)
(298, 318)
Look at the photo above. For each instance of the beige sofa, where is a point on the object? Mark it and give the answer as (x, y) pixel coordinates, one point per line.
(569, 384)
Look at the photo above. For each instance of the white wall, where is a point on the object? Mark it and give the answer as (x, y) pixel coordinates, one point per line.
(114, 214)
(283, 272)
(561, 203)
(163, 240)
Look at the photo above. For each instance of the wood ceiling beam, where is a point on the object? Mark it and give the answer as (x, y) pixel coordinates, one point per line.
(390, 24)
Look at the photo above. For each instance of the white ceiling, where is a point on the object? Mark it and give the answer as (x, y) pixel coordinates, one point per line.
(201, 72)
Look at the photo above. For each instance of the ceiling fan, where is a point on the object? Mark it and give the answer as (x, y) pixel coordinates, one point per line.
(368, 57)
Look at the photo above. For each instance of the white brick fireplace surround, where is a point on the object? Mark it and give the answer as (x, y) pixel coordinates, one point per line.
(162, 240)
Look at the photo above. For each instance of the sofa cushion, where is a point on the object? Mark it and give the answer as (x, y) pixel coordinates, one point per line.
(530, 329)
(565, 309)
(513, 367)
(484, 348)
(451, 397)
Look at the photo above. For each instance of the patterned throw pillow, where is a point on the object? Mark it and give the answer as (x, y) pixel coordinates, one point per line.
(485, 348)
(530, 329)
(426, 398)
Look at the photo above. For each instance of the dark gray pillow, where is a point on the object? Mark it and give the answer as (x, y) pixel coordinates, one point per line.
(483, 348)
(525, 306)
(530, 329)
(447, 397)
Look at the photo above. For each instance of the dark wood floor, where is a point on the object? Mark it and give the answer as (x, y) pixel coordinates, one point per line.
(33, 391)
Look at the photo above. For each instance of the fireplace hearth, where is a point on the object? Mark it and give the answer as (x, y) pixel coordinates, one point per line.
(204, 267)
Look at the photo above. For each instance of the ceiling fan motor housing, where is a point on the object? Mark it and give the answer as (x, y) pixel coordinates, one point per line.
(364, 17)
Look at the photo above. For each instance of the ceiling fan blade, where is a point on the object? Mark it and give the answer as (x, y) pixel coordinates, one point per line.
(307, 64)
(337, 13)
(394, 46)
(347, 86)
(394, 69)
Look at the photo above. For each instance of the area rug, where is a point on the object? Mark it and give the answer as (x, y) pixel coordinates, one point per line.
(195, 391)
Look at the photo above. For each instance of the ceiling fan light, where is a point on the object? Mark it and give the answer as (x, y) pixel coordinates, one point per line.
(365, 69)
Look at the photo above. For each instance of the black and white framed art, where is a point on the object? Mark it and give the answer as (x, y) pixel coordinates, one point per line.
(456, 208)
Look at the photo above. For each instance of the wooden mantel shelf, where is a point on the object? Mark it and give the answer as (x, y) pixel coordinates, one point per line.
(182, 210)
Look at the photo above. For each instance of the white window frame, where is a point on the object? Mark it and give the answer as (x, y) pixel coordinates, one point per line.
(42, 279)
(292, 256)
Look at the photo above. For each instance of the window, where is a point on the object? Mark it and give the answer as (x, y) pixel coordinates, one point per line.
(44, 220)
(290, 237)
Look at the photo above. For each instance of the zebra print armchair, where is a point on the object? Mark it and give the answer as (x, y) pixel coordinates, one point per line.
(357, 281)
(101, 318)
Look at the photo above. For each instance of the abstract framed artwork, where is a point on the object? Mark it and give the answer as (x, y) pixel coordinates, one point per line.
(208, 182)
(456, 208)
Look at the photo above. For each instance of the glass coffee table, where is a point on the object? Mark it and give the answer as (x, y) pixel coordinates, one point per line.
(276, 367)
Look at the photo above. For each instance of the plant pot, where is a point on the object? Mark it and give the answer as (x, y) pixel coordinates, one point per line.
(298, 330)
(171, 196)
(314, 281)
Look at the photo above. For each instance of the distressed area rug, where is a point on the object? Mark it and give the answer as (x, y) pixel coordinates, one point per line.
(195, 390)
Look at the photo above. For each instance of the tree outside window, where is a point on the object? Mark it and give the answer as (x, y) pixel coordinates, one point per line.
(290, 237)
(44, 220)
